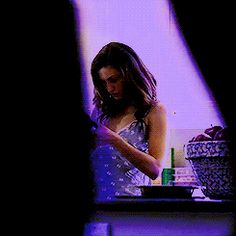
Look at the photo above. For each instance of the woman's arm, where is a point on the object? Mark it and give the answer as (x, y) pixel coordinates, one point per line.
(150, 163)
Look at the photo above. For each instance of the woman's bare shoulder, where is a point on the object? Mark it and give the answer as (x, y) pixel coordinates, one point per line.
(157, 111)
(159, 107)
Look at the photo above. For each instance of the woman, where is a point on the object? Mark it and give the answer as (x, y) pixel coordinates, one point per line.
(131, 132)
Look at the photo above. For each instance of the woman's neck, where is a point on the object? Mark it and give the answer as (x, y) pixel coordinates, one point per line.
(130, 109)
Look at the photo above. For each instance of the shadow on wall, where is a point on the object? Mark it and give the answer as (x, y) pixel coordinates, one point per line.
(208, 30)
(209, 36)
(49, 175)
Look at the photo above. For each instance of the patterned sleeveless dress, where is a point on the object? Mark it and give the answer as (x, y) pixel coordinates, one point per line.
(114, 174)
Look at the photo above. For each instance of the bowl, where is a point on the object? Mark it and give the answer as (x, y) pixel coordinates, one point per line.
(160, 191)
(211, 162)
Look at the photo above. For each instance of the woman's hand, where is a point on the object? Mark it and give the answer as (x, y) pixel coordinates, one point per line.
(104, 135)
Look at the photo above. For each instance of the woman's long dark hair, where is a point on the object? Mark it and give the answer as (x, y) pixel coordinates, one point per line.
(139, 82)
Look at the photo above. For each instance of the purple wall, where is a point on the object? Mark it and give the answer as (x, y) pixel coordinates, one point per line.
(151, 30)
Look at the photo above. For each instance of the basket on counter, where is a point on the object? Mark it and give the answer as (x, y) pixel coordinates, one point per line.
(212, 165)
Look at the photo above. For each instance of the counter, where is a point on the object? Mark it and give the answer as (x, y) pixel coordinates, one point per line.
(167, 204)
(159, 217)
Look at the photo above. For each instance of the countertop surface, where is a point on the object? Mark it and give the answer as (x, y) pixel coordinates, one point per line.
(166, 204)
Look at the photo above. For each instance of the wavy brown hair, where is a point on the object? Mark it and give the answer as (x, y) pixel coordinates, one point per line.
(139, 82)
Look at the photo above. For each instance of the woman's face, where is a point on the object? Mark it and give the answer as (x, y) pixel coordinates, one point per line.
(113, 81)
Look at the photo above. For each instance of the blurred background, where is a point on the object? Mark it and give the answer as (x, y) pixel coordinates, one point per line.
(154, 31)
(187, 45)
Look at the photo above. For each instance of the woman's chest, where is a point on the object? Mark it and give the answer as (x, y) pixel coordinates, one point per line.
(118, 123)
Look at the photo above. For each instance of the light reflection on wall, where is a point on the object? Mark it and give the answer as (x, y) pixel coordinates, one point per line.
(151, 30)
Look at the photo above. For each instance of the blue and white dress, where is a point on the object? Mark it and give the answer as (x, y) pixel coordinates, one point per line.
(114, 174)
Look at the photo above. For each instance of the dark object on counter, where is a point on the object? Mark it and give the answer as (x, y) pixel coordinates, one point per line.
(212, 131)
(158, 191)
(201, 137)
(222, 134)
(211, 162)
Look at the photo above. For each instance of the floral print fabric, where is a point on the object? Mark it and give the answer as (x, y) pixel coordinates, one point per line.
(114, 174)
